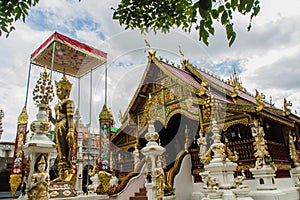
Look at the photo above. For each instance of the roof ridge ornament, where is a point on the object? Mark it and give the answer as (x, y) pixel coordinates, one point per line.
(181, 53)
(150, 51)
(236, 83)
(259, 100)
(184, 62)
(286, 105)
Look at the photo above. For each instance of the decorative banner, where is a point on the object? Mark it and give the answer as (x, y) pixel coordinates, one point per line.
(105, 119)
(18, 158)
(105, 145)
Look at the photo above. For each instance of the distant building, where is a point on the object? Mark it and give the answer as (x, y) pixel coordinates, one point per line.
(6, 154)
(6, 157)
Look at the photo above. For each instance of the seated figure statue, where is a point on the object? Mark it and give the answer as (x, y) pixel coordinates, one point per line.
(39, 182)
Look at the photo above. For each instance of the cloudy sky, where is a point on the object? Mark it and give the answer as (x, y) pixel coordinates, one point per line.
(266, 58)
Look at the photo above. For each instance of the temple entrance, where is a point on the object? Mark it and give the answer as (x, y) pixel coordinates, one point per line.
(173, 137)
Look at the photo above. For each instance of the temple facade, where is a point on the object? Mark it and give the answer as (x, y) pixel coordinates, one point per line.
(183, 101)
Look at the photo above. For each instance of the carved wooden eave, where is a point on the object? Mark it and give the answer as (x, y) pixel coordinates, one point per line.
(224, 124)
(278, 118)
(294, 118)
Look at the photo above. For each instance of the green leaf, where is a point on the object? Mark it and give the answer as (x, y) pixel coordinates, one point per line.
(232, 39)
(228, 5)
(214, 13)
(234, 3)
(18, 15)
(221, 9)
(202, 12)
(205, 4)
(224, 18)
(211, 30)
(249, 5)
(241, 6)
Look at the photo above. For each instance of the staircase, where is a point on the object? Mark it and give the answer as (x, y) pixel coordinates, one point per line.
(141, 195)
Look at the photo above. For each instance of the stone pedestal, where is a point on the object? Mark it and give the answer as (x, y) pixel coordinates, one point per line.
(228, 195)
(223, 171)
(219, 172)
(151, 191)
(62, 190)
(213, 194)
(37, 150)
(242, 194)
(264, 177)
(172, 197)
(295, 174)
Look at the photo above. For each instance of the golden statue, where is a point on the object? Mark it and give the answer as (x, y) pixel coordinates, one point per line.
(259, 100)
(64, 129)
(203, 88)
(39, 182)
(201, 141)
(259, 144)
(286, 107)
(159, 178)
(293, 151)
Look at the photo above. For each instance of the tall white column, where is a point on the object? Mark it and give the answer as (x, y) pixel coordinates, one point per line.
(151, 151)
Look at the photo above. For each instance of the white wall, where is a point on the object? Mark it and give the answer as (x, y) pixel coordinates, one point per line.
(183, 182)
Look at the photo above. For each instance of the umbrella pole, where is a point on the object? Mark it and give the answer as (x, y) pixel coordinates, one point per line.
(52, 60)
(27, 87)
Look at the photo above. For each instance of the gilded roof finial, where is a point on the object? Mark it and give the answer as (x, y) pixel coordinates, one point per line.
(286, 105)
(271, 101)
(259, 100)
(184, 61)
(203, 88)
(150, 51)
(181, 53)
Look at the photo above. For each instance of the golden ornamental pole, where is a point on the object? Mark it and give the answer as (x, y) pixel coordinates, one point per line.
(18, 157)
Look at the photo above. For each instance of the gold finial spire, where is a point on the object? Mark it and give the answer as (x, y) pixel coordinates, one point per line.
(43, 91)
(259, 100)
(286, 105)
(181, 53)
(23, 117)
(105, 114)
(148, 45)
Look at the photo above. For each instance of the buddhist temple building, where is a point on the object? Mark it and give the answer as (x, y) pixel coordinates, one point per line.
(183, 101)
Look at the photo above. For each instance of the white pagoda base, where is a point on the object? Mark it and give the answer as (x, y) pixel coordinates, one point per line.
(295, 174)
(223, 171)
(264, 177)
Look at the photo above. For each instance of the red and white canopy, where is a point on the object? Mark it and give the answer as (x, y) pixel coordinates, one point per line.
(71, 56)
